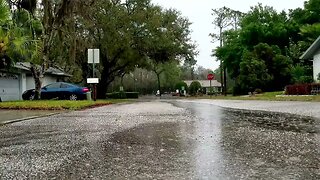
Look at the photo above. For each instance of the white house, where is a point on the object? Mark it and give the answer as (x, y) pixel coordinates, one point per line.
(313, 53)
(206, 84)
(16, 80)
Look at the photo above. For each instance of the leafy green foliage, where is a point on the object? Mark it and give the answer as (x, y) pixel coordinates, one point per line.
(195, 86)
(264, 52)
(137, 34)
(181, 84)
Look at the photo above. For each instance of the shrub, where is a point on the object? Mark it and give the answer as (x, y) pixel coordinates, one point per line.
(132, 95)
(194, 87)
(180, 84)
(258, 91)
(299, 89)
(123, 95)
(212, 93)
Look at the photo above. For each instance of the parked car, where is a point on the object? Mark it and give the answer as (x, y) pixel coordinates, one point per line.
(59, 90)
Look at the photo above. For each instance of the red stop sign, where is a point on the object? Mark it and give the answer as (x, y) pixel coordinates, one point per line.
(210, 76)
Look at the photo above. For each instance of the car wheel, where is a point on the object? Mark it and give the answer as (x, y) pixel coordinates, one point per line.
(31, 97)
(73, 97)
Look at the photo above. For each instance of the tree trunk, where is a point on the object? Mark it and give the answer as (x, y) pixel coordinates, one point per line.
(102, 87)
(36, 73)
(221, 66)
(122, 76)
(159, 85)
(225, 80)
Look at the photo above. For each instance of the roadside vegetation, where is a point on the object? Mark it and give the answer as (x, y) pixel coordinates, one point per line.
(56, 104)
(268, 96)
(261, 48)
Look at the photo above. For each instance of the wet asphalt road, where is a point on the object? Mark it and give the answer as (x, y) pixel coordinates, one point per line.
(162, 140)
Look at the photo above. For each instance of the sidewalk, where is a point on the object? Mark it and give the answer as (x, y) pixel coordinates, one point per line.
(8, 116)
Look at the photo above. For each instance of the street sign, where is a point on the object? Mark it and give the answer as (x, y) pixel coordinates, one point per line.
(210, 77)
(92, 80)
(93, 56)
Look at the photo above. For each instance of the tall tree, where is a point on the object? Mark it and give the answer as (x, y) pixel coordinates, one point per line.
(135, 33)
(263, 40)
(222, 20)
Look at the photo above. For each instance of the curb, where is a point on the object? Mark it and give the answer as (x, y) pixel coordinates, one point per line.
(27, 118)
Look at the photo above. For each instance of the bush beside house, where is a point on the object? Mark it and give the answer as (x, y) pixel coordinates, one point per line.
(194, 88)
(299, 89)
(181, 84)
(123, 95)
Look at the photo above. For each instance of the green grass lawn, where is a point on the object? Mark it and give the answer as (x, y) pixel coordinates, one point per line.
(268, 96)
(56, 104)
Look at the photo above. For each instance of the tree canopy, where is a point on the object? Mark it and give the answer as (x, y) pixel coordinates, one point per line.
(263, 53)
(130, 34)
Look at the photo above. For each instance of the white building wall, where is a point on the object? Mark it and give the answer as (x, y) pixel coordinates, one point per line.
(316, 66)
(23, 84)
(46, 80)
(9, 86)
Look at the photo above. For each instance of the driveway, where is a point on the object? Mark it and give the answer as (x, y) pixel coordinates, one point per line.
(162, 140)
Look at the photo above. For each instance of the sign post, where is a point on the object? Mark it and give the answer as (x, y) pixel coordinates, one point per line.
(93, 58)
(210, 77)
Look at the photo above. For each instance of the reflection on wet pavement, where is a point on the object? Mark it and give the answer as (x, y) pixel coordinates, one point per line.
(218, 144)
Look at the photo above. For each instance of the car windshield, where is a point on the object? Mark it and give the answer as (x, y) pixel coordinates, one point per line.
(54, 85)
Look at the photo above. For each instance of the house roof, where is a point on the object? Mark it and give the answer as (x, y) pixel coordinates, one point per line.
(205, 83)
(52, 71)
(311, 50)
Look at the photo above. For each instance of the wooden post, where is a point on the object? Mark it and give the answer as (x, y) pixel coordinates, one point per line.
(95, 92)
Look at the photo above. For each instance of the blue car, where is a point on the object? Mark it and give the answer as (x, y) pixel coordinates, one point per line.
(59, 90)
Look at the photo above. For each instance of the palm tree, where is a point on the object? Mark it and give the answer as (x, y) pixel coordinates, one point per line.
(13, 42)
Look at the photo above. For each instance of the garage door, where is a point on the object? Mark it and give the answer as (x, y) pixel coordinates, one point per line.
(9, 87)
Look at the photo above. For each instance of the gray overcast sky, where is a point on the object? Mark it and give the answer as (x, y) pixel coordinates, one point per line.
(199, 13)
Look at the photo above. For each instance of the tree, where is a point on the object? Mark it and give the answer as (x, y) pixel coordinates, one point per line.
(222, 20)
(262, 40)
(138, 33)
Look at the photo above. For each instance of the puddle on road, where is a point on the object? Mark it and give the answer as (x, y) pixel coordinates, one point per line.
(218, 144)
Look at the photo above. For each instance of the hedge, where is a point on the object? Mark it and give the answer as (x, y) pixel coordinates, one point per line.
(299, 89)
(123, 95)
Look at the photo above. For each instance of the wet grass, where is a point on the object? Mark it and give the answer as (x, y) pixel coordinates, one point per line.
(56, 104)
(268, 96)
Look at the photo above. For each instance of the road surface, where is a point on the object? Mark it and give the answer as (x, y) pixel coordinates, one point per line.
(163, 140)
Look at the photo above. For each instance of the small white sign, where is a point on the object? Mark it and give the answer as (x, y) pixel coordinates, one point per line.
(92, 80)
(93, 56)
